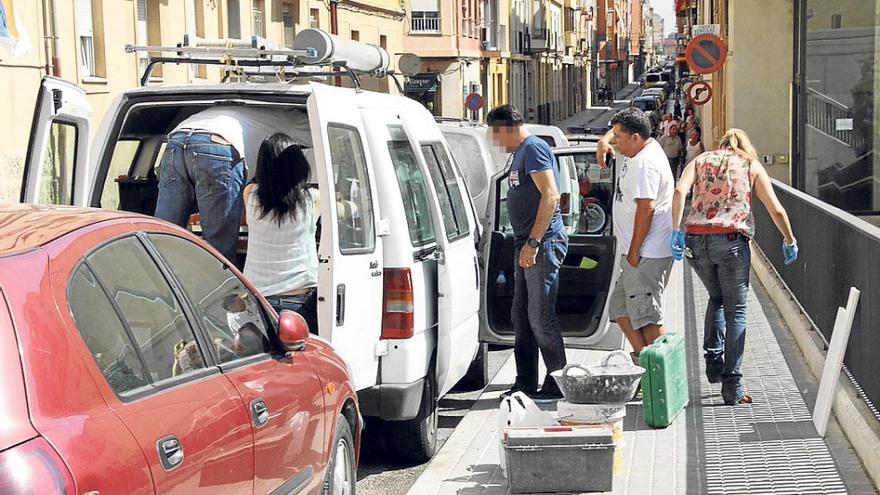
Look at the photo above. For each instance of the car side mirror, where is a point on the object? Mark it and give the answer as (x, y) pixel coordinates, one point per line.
(292, 330)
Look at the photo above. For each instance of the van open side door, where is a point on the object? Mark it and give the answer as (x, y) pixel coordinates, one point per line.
(55, 169)
(586, 277)
(350, 268)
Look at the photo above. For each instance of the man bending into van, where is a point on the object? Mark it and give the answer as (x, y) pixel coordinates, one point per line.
(205, 166)
(540, 246)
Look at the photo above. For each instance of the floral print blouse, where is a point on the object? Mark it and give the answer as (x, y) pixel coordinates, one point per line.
(722, 194)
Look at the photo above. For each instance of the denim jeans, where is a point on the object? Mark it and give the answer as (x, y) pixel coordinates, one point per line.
(199, 174)
(534, 315)
(304, 304)
(722, 261)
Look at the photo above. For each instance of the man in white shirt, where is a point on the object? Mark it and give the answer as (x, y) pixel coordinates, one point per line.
(207, 161)
(642, 224)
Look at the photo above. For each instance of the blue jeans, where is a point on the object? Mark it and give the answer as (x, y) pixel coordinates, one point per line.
(722, 261)
(534, 318)
(304, 304)
(198, 174)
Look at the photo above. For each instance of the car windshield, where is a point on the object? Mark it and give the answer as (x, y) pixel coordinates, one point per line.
(652, 77)
(646, 105)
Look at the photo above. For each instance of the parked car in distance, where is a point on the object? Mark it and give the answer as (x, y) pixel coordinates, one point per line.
(135, 359)
(658, 92)
(650, 105)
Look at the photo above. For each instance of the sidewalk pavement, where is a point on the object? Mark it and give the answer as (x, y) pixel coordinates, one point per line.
(770, 446)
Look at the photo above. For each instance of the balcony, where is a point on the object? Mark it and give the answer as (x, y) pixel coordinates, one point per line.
(425, 23)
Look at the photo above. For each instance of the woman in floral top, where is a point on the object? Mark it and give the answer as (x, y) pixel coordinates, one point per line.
(716, 241)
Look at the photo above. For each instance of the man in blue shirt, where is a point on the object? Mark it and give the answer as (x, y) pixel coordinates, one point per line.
(540, 246)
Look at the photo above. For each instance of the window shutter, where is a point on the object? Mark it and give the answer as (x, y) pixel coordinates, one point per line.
(425, 5)
(84, 17)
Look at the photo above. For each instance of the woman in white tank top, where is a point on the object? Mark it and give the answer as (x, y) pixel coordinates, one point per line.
(282, 256)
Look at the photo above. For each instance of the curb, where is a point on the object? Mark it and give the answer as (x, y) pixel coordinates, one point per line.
(853, 416)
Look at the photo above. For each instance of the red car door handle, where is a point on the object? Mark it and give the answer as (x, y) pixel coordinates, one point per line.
(259, 412)
(170, 452)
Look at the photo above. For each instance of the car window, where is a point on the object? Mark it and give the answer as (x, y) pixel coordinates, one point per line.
(59, 159)
(466, 151)
(149, 308)
(225, 307)
(412, 189)
(354, 204)
(124, 154)
(549, 140)
(448, 191)
(104, 334)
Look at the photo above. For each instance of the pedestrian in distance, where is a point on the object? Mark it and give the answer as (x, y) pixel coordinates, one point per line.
(540, 244)
(715, 239)
(642, 205)
(281, 213)
(673, 148)
(693, 146)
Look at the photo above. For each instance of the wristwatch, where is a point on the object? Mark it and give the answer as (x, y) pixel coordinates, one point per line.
(533, 242)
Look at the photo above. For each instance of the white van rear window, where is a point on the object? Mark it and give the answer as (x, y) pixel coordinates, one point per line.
(413, 192)
(466, 151)
(354, 202)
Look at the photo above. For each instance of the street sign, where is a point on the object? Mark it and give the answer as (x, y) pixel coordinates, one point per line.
(706, 53)
(699, 93)
(699, 29)
(474, 102)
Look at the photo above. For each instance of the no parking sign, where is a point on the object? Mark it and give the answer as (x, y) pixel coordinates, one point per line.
(474, 102)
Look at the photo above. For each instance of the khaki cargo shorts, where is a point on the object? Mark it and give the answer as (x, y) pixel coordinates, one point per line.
(638, 293)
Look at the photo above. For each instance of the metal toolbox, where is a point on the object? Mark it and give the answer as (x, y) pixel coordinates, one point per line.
(559, 459)
(665, 383)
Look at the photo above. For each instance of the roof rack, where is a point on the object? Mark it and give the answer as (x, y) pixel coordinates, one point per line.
(312, 49)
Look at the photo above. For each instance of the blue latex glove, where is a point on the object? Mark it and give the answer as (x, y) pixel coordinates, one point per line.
(790, 251)
(677, 244)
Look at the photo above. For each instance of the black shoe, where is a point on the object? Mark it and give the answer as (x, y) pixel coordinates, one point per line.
(514, 389)
(546, 396)
(713, 377)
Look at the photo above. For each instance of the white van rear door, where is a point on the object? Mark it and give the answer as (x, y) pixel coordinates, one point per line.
(350, 255)
(56, 167)
(458, 301)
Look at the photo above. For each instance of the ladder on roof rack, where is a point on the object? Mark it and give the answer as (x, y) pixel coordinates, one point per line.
(321, 50)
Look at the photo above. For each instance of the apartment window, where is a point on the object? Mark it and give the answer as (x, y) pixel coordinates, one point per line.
(287, 21)
(355, 35)
(233, 8)
(425, 22)
(258, 14)
(836, 21)
(91, 37)
(383, 41)
(314, 18)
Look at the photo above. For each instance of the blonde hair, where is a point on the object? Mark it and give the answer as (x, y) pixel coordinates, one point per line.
(739, 142)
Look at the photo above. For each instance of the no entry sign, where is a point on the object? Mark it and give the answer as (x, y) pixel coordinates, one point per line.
(706, 53)
(474, 102)
(699, 92)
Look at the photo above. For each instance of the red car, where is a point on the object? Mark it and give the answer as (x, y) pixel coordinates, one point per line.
(134, 359)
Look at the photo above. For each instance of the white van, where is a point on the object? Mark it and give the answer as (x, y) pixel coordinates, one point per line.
(398, 292)
(588, 272)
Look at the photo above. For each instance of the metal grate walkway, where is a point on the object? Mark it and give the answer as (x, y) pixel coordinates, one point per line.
(770, 446)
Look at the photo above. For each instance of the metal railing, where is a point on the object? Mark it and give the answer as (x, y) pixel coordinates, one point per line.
(825, 114)
(425, 24)
(836, 251)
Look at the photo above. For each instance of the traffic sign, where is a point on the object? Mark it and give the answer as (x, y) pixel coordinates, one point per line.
(699, 93)
(474, 102)
(706, 53)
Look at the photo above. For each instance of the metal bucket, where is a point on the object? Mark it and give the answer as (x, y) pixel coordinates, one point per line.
(612, 382)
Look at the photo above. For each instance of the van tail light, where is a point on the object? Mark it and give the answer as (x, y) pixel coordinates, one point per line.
(34, 468)
(397, 304)
(565, 203)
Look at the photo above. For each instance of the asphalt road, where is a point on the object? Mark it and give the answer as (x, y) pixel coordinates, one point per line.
(380, 472)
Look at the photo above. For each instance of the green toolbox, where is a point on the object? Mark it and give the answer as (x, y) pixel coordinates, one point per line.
(665, 382)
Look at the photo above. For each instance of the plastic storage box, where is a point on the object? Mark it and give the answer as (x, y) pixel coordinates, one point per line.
(559, 459)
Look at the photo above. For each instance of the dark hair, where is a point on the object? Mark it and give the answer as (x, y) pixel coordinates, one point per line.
(504, 115)
(282, 173)
(633, 121)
